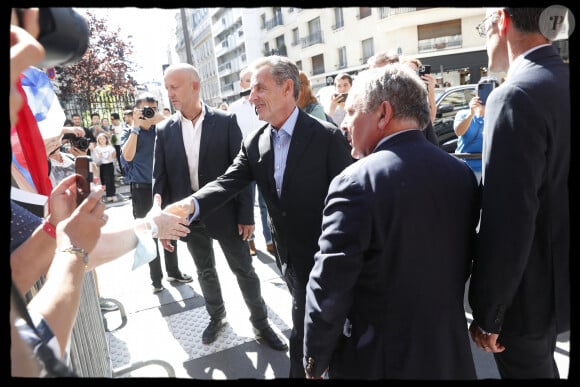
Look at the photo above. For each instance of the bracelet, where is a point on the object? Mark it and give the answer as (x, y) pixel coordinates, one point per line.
(78, 251)
(136, 130)
(49, 229)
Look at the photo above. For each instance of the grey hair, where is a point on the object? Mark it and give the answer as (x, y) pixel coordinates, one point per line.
(281, 69)
(399, 85)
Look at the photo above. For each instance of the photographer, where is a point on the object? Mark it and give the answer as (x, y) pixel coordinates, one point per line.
(342, 85)
(137, 162)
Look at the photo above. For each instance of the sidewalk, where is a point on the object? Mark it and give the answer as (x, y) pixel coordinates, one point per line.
(168, 325)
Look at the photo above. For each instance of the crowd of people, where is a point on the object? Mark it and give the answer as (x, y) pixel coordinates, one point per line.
(375, 230)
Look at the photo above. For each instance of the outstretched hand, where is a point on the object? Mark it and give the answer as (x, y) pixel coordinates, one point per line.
(169, 225)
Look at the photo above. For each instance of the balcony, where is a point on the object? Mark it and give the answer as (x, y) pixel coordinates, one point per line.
(385, 12)
(338, 25)
(275, 21)
(226, 67)
(312, 39)
(440, 43)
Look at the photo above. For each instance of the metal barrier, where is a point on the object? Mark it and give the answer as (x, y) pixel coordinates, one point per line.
(88, 352)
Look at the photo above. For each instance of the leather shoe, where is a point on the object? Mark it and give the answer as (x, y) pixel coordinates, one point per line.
(270, 248)
(212, 330)
(271, 338)
(252, 247)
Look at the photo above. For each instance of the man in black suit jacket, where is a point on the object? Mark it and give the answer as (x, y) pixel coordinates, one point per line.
(385, 296)
(193, 147)
(520, 286)
(292, 159)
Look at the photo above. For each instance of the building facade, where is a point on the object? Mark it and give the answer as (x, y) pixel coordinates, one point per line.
(326, 41)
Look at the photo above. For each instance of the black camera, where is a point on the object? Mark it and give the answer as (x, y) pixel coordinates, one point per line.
(148, 112)
(64, 34)
(80, 143)
(425, 69)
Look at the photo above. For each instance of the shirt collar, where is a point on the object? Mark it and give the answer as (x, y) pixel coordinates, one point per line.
(518, 61)
(290, 123)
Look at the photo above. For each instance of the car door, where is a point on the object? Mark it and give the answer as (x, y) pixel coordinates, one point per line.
(448, 105)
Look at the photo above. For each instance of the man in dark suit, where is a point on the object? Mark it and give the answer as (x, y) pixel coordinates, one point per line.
(385, 296)
(193, 147)
(520, 289)
(292, 159)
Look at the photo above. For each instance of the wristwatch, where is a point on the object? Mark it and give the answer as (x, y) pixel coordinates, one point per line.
(79, 252)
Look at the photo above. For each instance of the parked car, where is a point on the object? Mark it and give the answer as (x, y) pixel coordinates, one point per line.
(449, 101)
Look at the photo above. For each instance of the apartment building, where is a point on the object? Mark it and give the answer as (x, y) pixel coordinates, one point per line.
(194, 25)
(326, 41)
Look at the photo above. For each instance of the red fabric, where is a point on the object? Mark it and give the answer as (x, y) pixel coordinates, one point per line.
(29, 147)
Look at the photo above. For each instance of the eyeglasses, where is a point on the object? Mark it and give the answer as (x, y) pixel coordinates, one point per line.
(486, 24)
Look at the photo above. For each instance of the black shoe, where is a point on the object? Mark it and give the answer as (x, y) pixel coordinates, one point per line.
(182, 277)
(271, 338)
(212, 330)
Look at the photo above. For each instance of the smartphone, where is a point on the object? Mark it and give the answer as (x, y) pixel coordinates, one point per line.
(83, 177)
(483, 91)
(425, 69)
(343, 97)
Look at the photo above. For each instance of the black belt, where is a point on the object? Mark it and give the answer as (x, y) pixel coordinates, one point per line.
(141, 185)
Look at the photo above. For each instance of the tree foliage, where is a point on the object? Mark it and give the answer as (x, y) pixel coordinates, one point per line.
(105, 67)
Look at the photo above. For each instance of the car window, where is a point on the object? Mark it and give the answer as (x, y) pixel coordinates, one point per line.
(457, 99)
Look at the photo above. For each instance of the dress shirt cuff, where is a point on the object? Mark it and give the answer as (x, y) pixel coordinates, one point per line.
(136, 130)
(195, 214)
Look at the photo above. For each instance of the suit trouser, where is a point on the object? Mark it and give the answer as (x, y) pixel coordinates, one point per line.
(200, 246)
(529, 357)
(142, 200)
(263, 214)
(298, 292)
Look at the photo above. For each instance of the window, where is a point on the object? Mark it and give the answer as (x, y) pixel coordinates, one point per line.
(342, 57)
(263, 20)
(267, 48)
(299, 64)
(295, 37)
(364, 12)
(338, 18)
(317, 64)
(281, 45)
(368, 49)
(439, 36)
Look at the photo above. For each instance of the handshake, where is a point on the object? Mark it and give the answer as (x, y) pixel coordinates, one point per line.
(182, 209)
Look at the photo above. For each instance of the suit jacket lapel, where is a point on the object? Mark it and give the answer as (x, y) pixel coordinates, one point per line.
(206, 134)
(266, 154)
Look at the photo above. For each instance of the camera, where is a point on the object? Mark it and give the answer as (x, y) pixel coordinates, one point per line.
(245, 92)
(80, 143)
(148, 112)
(425, 69)
(64, 34)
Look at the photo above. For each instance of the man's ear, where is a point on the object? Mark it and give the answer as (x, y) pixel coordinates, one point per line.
(385, 112)
(503, 22)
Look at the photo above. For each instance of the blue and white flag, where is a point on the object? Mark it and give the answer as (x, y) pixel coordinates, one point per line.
(43, 102)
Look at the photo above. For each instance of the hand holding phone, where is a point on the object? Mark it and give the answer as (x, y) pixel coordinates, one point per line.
(83, 177)
(483, 91)
(340, 98)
